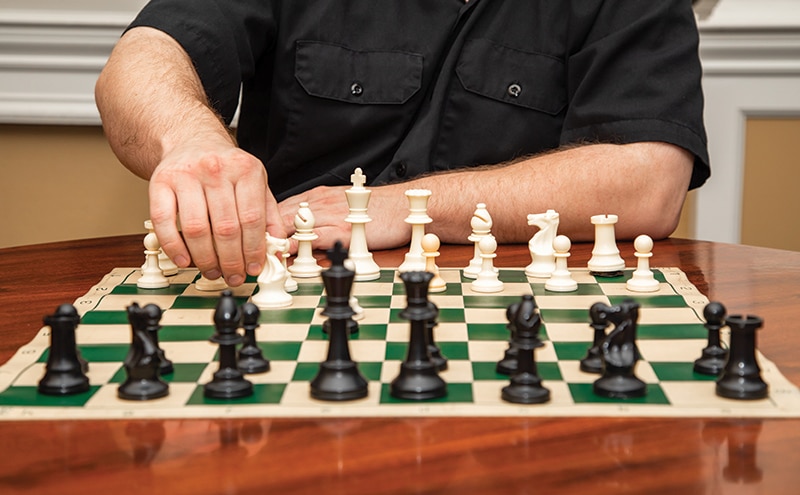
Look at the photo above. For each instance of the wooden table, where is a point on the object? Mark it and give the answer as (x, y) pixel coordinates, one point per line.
(401, 455)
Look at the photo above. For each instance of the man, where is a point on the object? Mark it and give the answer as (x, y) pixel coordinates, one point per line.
(580, 106)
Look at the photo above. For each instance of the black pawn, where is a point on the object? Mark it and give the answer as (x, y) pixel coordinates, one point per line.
(593, 361)
(251, 359)
(439, 359)
(228, 381)
(714, 355)
(620, 354)
(418, 378)
(526, 385)
(338, 378)
(143, 380)
(508, 365)
(64, 372)
(153, 324)
(741, 377)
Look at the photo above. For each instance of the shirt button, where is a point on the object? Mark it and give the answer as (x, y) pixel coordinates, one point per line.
(514, 90)
(356, 89)
(400, 169)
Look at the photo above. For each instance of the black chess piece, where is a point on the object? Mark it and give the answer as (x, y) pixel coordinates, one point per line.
(526, 385)
(620, 354)
(508, 365)
(418, 379)
(338, 378)
(251, 359)
(593, 361)
(153, 316)
(714, 356)
(64, 371)
(142, 365)
(439, 359)
(741, 377)
(228, 381)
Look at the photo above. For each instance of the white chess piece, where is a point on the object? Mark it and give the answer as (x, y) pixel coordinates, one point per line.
(418, 218)
(357, 200)
(358, 311)
(290, 285)
(642, 279)
(304, 265)
(152, 276)
(271, 282)
(168, 267)
(561, 280)
(605, 254)
(543, 260)
(487, 279)
(207, 285)
(430, 250)
(481, 224)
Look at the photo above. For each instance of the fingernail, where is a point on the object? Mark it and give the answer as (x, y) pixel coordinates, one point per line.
(254, 268)
(213, 274)
(181, 261)
(235, 280)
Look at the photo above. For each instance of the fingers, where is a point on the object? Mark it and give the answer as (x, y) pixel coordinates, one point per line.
(163, 214)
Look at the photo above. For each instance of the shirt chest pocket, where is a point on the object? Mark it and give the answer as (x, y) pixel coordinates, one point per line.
(524, 79)
(335, 72)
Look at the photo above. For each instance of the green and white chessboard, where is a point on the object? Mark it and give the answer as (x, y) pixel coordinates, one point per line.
(471, 333)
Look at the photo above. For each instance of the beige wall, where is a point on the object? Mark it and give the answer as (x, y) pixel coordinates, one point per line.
(63, 182)
(771, 196)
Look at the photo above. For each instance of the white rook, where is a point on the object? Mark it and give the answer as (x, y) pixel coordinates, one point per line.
(605, 255)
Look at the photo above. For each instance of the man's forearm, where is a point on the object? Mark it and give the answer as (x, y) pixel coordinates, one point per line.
(150, 100)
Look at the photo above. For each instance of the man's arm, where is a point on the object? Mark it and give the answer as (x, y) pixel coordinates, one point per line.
(160, 126)
(644, 183)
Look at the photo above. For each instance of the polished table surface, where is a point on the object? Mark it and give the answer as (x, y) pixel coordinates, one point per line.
(404, 455)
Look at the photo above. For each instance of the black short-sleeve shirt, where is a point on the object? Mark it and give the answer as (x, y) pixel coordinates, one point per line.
(404, 87)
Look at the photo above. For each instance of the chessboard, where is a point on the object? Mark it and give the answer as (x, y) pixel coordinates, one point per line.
(472, 333)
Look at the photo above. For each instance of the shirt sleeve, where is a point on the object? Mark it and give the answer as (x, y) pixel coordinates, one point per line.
(223, 39)
(637, 77)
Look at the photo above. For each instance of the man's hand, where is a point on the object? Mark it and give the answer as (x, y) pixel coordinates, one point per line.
(220, 195)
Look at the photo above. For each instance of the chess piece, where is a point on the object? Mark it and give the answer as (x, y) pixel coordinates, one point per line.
(338, 378)
(543, 259)
(714, 356)
(64, 371)
(508, 365)
(481, 223)
(358, 311)
(228, 382)
(205, 284)
(142, 365)
(593, 361)
(417, 218)
(304, 265)
(357, 200)
(487, 279)
(290, 284)
(561, 279)
(271, 282)
(741, 377)
(251, 359)
(430, 250)
(620, 354)
(152, 318)
(642, 279)
(605, 260)
(167, 266)
(439, 360)
(526, 385)
(152, 276)
(418, 378)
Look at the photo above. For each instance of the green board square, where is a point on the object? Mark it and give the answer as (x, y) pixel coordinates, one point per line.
(387, 276)
(673, 301)
(309, 289)
(488, 371)
(280, 351)
(680, 371)
(199, 302)
(366, 301)
(263, 393)
(490, 301)
(454, 350)
(185, 333)
(396, 351)
(488, 331)
(452, 289)
(512, 276)
(628, 274)
(30, 396)
(456, 392)
(671, 331)
(97, 353)
(105, 318)
(132, 290)
(183, 373)
(582, 393)
(565, 315)
(571, 351)
(583, 290)
(373, 331)
(287, 315)
(305, 372)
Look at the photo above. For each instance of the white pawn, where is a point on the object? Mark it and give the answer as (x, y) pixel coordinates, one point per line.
(481, 224)
(430, 250)
(487, 279)
(305, 265)
(643, 279)
(152, 276)
(168, 267)
(271, 282)
(353, 301)
(207, 285)
(290, 284)
(561, 280)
